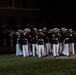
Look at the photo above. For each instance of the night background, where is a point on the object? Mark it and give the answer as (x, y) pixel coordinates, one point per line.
(37, 13)
(59, 12)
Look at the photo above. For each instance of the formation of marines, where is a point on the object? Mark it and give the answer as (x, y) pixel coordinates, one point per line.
(42, 42)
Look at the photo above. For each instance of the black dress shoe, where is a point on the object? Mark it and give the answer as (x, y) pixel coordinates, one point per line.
(47, 55)
(44, 56)
(54, 56)
(68, 55)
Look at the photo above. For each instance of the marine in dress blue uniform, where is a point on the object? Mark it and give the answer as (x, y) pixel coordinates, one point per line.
(71, 42)
(55, 43)
(41, 51)
(46, 41)
(19, 44)
(66, 44)
(25, 44)
(34, 38)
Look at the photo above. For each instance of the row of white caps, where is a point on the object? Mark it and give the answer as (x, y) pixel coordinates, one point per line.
(41, 29)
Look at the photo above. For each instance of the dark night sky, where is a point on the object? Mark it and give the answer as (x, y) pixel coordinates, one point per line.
(59, 11)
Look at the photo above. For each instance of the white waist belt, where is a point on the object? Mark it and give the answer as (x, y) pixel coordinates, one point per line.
(24, 39)
(66, 38)
(40, 39)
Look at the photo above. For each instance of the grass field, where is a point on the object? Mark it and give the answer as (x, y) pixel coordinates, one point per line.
(13, 65)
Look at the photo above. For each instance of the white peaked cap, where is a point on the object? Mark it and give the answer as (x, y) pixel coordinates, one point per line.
(35, 29)
(58, 29)
(29, 30)
(19, 30)
(54, 28)
(63, 28)
(44, 28)
(25, 30)
(40, 30)
(66, 29)
(70, 29)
